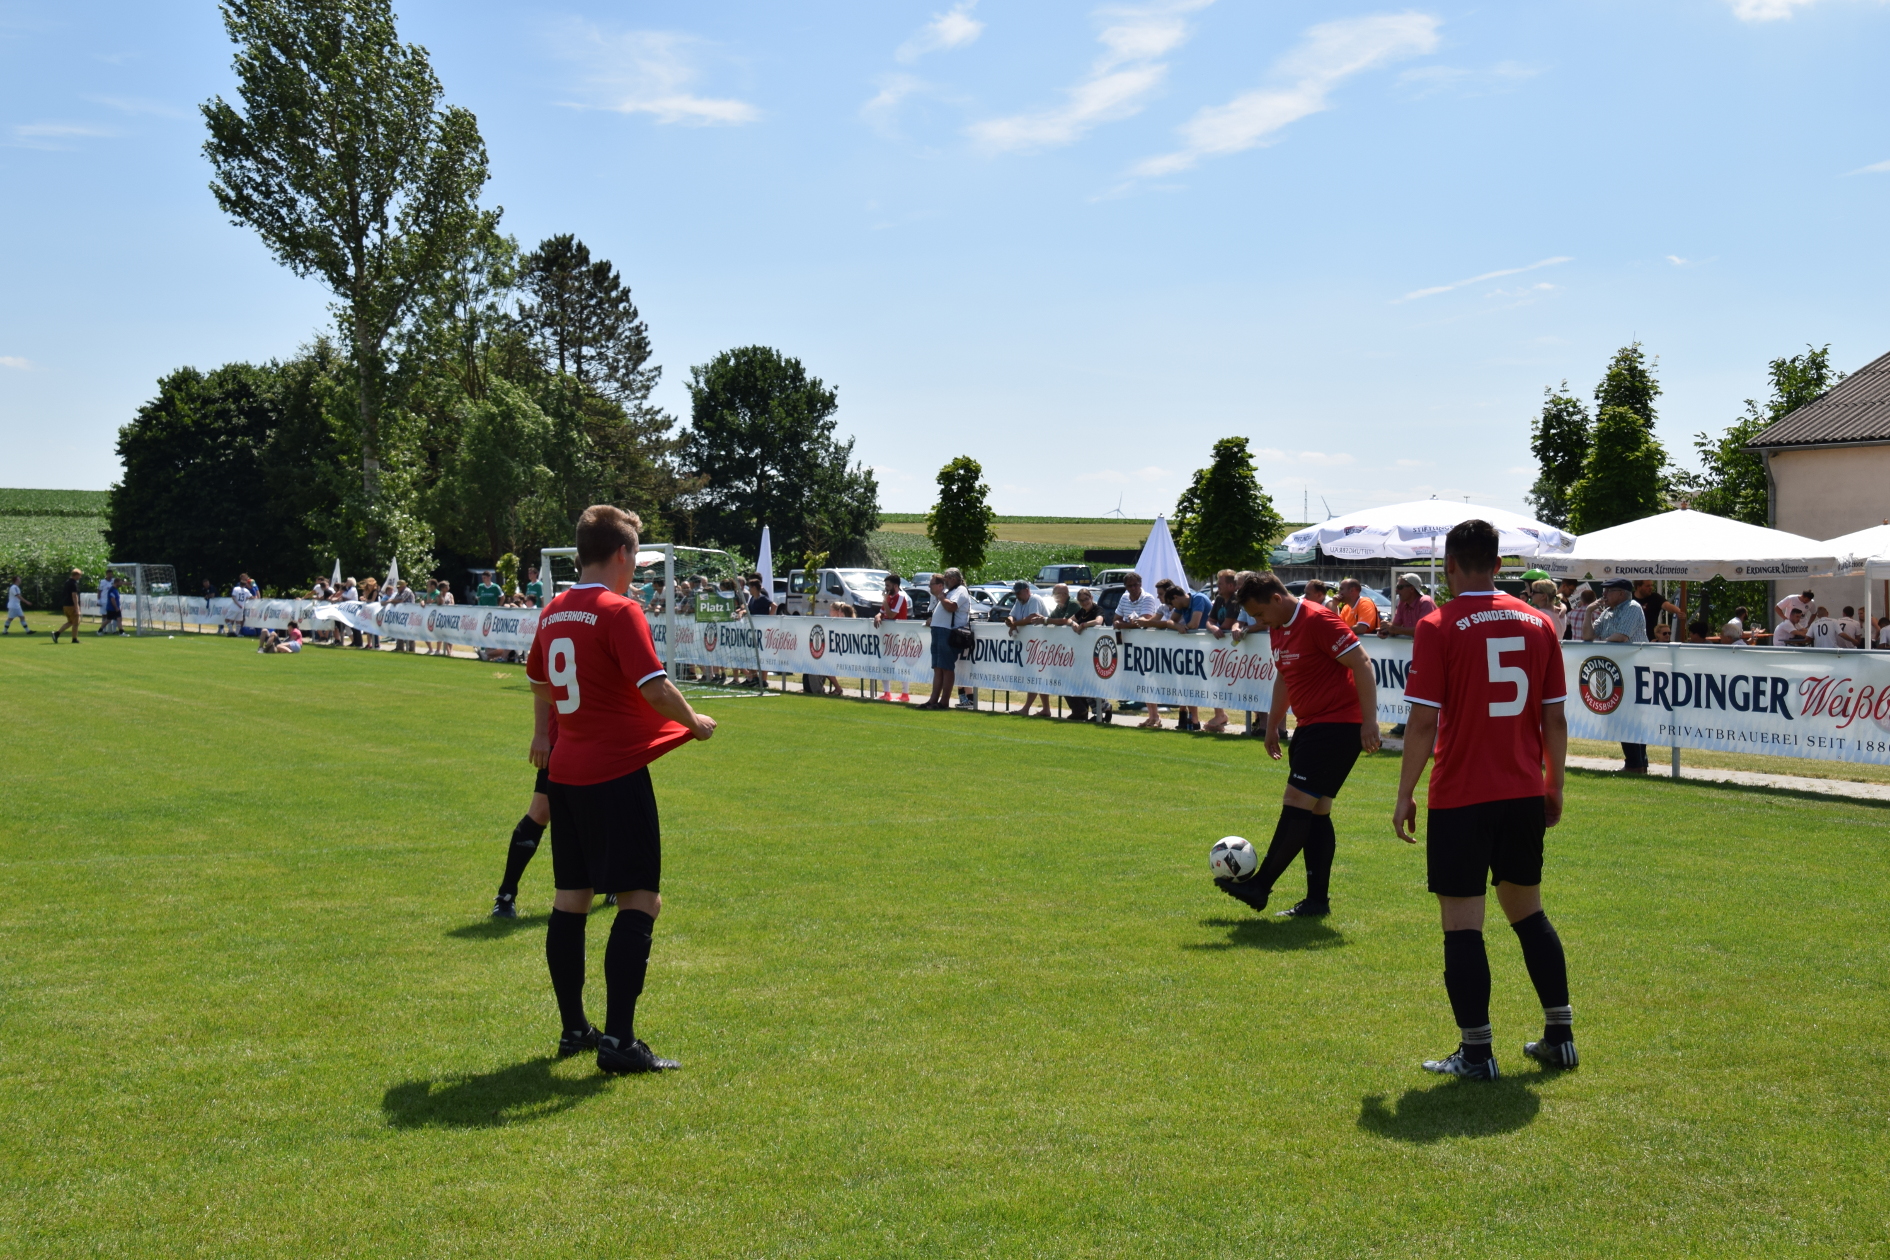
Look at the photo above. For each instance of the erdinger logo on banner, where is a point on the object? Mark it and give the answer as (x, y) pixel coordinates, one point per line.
(708, 639)
(485, 625)
(1602, 686)
(1106, 656)
(816, 640)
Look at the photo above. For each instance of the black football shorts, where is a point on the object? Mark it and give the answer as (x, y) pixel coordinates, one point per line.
(1320, 756)
(542, 786)
(1498, 839)
(604, 836)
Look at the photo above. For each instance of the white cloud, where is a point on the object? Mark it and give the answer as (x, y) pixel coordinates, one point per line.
(1875, 168)
(1765, 10)
(16, 363)
(1319, 459)
(893, 89)
(54, 135)
(139, 105)
(1330, 53)
(1118, 84)
(1432, 80)
(1414, 463)
(952, 29)
(645, 72)
(1488, 275)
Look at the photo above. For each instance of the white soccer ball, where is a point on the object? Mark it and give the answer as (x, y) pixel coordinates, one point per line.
(1232, 858)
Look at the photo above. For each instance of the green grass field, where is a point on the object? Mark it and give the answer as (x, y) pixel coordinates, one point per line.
(942, 984)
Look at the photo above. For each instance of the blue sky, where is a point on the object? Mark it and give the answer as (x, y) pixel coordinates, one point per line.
(1078, 242)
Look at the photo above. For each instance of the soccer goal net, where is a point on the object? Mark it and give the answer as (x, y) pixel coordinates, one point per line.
(144, 593)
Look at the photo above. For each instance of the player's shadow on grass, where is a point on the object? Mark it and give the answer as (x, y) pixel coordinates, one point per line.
(497, 929)
(1453, 1108)
(525, 1091)
(1270, 933)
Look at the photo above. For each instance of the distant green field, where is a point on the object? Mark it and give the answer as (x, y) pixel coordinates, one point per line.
(53, 502)
(918, 518)
(1004, 561)
(252, 1004)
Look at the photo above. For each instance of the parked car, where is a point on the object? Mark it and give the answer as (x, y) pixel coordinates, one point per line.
(921, 595)
(1111, 577)
(1051, 574)
(861, 588)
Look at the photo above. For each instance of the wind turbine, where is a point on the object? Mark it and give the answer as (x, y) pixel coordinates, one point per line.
(1117, 510)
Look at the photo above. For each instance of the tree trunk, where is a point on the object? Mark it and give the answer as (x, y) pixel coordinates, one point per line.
(367, 384)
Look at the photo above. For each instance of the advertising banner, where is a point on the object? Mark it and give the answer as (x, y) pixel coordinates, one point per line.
(1821, 704)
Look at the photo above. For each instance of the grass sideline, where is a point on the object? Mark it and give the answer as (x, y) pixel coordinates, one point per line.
(942, 984)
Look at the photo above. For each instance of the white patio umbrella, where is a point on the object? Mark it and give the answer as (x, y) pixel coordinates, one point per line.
(764, 564)
(1159, 559)
(1866, 552)
(1688, 546)
(1406, 531)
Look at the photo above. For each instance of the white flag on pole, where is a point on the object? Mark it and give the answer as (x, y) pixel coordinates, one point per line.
(393, 576)
(764, 564)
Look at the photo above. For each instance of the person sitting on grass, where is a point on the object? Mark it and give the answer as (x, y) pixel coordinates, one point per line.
(289, 641)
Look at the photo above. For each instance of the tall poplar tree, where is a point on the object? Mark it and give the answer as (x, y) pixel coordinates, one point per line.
(346, 163)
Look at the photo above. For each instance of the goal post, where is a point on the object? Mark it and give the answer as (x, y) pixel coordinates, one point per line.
(141, 590)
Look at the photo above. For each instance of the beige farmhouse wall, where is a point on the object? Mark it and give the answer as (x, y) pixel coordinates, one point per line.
(1822, 493)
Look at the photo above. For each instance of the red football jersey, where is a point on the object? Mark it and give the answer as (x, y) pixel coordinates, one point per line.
(1489, 662)
(594, 647)
(1308, 649)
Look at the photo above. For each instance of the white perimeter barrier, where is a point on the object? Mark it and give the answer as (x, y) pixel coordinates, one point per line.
(1820, 704)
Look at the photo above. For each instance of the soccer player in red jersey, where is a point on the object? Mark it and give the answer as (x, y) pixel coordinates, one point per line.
(525, 837)
(1486, 691)
(1325, 676)
(594, 661)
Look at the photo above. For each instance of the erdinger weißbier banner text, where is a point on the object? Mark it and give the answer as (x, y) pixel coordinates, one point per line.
(1790, 702)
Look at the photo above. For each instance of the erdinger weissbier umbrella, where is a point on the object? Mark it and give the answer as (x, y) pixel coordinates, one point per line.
(1415, 531)
(1689, 546)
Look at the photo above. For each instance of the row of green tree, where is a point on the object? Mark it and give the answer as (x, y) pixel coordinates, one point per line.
(473, 398)
(1608, 468)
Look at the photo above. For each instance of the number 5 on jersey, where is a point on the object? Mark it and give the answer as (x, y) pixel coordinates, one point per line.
(561, 664)
(1499, 673)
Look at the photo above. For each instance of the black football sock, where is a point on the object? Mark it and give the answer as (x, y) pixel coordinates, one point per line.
(1548, 969)
(626, 960)
(1289, 837)
(1321, 843)
(564, 956)
(1467, 981)
(525, 839)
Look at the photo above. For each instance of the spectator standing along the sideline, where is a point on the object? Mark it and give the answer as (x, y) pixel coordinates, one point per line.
(1357, 609)
(951, 610)
(1412, 607)
(1137, 608)
(1619, 620)
(1029, 610)
(1187, 612)
(1224, 615)
(894, 605)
